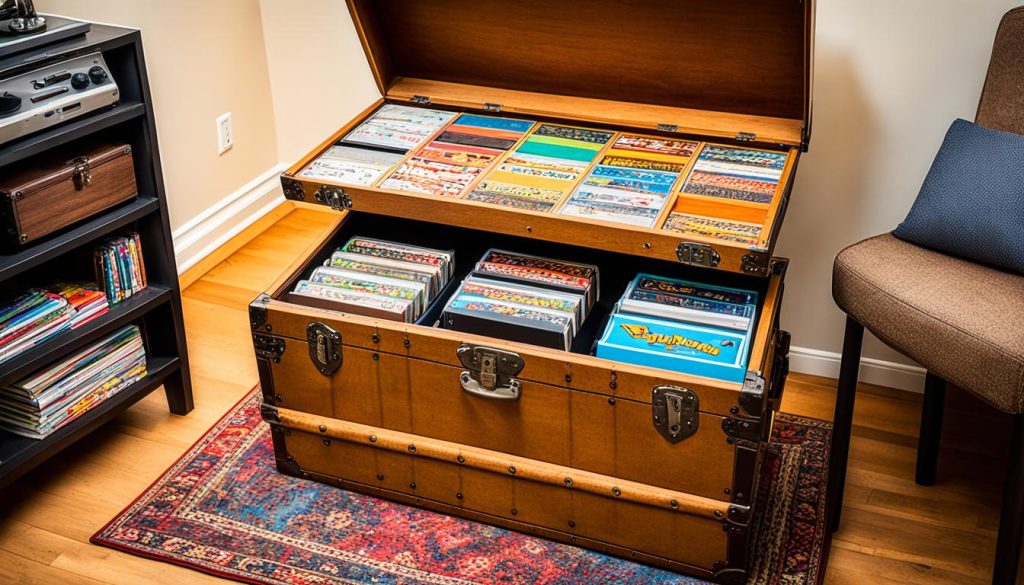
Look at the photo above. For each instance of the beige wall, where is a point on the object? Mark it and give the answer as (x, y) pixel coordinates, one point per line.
(890, 78)
(318, 72)
(205, 58)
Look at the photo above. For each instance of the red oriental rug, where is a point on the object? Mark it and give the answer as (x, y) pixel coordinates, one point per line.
(224, 509)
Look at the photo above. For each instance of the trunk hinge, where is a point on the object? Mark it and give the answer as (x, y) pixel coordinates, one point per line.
(694, 254)
(741, 429)
(420, 100)
(268, 347)
(756, 262)
(292, 189)
(675, 412)
(334, 197)
(746, 137)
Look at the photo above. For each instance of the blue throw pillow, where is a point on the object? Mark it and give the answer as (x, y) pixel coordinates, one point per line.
(972, 202)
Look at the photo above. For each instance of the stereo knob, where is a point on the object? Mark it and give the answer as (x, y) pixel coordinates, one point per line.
(97, 74)
(79, 81)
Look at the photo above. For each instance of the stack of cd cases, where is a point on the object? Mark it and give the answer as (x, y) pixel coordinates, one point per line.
(524, 298)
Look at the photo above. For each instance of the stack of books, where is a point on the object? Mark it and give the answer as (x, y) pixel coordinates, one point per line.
(120, 270)
(524, 298)
(376, 278)
(50, 399)
(682, 326)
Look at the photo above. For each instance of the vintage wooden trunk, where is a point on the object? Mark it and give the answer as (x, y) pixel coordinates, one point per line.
(41, 200)
(649, 464)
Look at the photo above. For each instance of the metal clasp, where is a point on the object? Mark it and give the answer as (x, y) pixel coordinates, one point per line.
(82, 175)
(490, 373)
(694, 254)
(675, 412)
(324, 348)
(334, 197)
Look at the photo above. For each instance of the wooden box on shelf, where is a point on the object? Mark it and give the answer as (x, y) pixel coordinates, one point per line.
(578, 452)
(46, 197)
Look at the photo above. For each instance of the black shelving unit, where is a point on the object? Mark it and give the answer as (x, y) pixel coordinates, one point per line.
(157, 309)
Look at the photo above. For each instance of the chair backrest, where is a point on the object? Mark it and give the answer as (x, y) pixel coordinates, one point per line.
(1002, 99)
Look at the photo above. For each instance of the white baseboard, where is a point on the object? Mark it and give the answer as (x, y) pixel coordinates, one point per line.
(222, 221)
(815, 362)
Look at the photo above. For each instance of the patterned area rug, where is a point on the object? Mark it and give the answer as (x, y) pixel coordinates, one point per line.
(224, 509)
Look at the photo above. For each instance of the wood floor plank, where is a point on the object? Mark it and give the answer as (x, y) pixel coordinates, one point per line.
(894, 531)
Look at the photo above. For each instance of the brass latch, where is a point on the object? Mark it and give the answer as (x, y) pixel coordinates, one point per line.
(675, 412)
(490, 373)
(82, 175)
(324, 348)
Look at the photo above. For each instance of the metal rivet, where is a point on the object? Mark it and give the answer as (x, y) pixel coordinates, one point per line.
(728, 491)
(412, 448)
(568, 482)
(376, 338)
(458, 496)
(529, 229)
(512, 469)
(739, 496)
(279, 398)
(268, 327)
(568, 378)
(327, 442)
(515, 512)
(611, 401)
(718, 514)
(616, 491)
(407, 344)
(460, 459)
(572, 539)
(647, 245)
(572, 524)
(674, 504)
(376, 356)
(734, 410)
(323, 428)
(412, 485)
(613, 384)
(380, 477)
(373, 438)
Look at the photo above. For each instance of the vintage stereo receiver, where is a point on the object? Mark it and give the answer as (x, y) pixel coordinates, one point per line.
(54, 94)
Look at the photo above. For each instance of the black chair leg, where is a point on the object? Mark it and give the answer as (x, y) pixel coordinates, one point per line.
(842, 422)
(931, 429)
(1011, 519)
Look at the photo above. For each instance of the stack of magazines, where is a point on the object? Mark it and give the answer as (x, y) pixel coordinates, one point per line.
(46, 401)
(376, 278)
(39, 315)
(524, 298)
(120, 270)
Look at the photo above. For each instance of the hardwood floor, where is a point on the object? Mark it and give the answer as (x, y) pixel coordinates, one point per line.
(893, 530)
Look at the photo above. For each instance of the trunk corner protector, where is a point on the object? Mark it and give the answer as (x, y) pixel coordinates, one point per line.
(753, 395)
(258, 311)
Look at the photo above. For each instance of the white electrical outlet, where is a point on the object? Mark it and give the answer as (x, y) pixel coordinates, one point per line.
(225, 133)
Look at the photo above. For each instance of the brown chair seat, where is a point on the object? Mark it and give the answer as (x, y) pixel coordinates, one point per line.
(962, 321)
